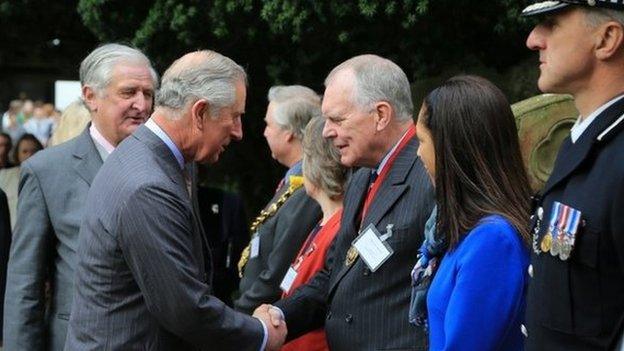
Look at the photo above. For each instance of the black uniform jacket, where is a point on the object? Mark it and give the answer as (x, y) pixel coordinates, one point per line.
(578, 303)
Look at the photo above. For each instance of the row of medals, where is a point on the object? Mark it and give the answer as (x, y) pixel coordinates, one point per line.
(561, 246)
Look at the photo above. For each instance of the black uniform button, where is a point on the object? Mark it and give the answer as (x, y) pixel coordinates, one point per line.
(349, 318)
(328, 315)
(367, 272)
(530, 270)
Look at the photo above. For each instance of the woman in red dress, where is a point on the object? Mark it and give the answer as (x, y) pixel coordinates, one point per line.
(324, 181)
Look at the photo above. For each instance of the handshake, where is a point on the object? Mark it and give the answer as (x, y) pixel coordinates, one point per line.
(276, 326)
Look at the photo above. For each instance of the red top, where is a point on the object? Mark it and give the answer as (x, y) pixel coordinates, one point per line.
(310, 260)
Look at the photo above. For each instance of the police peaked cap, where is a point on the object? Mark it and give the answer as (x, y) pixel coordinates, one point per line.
(542, 7)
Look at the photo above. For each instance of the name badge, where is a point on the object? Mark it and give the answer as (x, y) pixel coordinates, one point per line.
(288, 280)
(255, 246)
(372, 246)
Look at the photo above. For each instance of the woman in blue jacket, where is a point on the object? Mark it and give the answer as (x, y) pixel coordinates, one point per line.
(469, 146)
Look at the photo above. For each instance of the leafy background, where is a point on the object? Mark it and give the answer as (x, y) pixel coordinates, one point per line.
(278, 42)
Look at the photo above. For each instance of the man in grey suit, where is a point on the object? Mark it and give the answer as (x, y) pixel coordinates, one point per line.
(141, 280)
(118, 84)
(362, 295)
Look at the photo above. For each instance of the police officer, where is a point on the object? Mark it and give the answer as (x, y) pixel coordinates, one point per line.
(576, 296)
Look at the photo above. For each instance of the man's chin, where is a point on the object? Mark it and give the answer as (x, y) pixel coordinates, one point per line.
(132, 127)
(547, 86)
(346, 161)
(209, 159)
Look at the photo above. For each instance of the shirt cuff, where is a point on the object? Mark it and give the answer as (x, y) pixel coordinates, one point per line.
(280, 312)
(265, 335)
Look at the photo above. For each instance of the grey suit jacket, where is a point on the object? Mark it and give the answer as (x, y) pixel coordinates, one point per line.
(281, 237)
(140, 277)
(362, 310)
(53, 188)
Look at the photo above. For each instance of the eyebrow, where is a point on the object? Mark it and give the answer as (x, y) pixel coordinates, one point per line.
(333, 116)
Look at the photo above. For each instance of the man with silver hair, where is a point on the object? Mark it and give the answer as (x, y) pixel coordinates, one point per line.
(282, 226)
(362, 294)
(575, 299)
(118, 84)
(141, 277)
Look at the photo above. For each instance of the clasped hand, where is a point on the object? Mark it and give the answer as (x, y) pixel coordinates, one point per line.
(276, 326)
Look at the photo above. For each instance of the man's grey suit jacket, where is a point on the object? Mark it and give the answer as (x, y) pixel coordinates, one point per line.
(281, 238)
(141, 281)
(360, 309)
(52, 192)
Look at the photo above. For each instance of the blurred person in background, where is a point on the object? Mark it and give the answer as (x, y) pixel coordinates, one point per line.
(10, 122)
(40, 124)
(222, 214)
(6, 144)
(73, 121)
(25, 147)
(26, 112)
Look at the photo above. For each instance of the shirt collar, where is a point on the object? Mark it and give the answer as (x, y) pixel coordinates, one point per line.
(151, 125)
(99, 138)
(581, 125)
(384, 160)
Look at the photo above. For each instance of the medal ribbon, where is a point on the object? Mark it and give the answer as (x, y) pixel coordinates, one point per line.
(554, 216)
(563, 221)
(372, 191)
(573, 223)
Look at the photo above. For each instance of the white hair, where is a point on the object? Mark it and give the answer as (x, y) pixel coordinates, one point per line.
(96, 70)
(213, 78)
(378, 79)
(294, 107)
(598, 16)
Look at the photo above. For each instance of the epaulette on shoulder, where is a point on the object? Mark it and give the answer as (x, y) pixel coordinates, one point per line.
(611, 131)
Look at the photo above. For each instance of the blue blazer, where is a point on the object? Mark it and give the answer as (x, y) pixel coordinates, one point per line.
(477, 298)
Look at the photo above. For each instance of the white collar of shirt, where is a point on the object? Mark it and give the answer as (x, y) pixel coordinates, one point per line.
(99, 138)
(151, 125)
(581, 125)
(384, 160)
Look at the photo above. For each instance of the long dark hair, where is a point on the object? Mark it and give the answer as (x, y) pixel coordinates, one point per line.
(25, 137)
(479, 168)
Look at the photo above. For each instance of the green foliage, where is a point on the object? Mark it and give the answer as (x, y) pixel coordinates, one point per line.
(29, 27)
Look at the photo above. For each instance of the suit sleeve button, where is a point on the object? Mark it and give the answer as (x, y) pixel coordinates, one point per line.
(349, 318)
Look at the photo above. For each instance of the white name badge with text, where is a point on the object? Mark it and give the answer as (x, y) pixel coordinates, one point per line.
(288, 280)
(372, 247)
(255, 246)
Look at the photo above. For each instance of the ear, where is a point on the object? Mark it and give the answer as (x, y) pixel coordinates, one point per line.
(89, 97)
(383, 115)
(199, 110)
(290, 136)
(609, 37)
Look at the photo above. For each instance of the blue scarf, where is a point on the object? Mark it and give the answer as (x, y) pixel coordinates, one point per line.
(429, 255)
